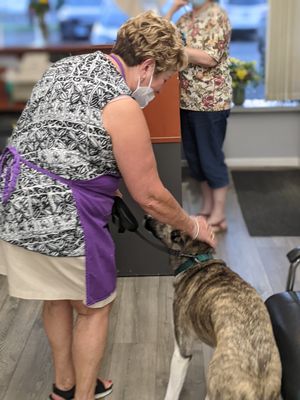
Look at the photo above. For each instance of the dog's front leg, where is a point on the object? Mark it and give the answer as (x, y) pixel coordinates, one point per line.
(178, 370)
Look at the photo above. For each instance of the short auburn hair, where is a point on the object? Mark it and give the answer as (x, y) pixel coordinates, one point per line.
(149, 36)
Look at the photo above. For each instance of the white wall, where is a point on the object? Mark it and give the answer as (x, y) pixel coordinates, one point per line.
(260, 137)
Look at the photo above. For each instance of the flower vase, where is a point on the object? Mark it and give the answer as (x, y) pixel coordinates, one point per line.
(41, 33)
(238, 97)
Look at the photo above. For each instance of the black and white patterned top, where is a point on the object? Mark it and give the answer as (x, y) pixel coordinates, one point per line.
(60, 130)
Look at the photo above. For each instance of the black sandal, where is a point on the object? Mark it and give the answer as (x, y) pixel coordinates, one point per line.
(100, 391)
(65, 394)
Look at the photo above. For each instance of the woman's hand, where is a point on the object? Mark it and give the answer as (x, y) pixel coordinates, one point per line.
(203, 231)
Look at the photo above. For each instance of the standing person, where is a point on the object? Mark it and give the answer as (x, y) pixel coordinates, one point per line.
(82, 129)
(205, 102)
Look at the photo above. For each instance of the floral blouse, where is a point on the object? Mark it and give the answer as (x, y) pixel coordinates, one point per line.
(206, 88)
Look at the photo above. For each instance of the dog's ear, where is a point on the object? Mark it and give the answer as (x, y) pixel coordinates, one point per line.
(176, 237)
(203, 247)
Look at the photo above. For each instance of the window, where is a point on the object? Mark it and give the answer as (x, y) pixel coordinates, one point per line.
(246, 2)
(68, 21)
(248, 20)
(97, 22)
(86, 3)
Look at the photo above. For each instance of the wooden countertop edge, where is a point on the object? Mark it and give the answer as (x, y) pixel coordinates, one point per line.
(167, 139)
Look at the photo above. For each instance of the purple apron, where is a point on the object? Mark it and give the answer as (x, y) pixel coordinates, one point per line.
(94, 200)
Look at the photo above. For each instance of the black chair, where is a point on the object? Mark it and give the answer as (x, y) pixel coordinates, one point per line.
(284, 310)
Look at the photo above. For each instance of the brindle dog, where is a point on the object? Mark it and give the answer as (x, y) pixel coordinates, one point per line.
(214, 304)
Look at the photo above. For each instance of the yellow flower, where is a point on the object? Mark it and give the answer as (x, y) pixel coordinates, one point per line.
(241, 73)
(43, 1)
(234, 60)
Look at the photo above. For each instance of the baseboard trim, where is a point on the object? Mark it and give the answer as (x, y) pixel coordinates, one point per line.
(259, 162)
(263, 162)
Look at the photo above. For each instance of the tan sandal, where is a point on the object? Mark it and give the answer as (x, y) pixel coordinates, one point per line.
(219, 227)
(205, 215)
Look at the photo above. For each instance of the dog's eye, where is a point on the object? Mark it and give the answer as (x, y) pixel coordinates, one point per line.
(175, 235)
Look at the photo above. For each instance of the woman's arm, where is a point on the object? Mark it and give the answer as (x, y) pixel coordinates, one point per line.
(177, 4)
(219, 36)
(195, 56)
(200, 57)
(133, 151)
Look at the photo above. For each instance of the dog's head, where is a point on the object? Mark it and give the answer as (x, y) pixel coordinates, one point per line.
(175, 239)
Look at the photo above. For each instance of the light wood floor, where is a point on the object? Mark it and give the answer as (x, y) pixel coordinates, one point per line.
(141, 341)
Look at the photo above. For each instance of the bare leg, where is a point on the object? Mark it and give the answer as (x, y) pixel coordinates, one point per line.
(179, 367)
(218, 211)
(89, 341)
(58, 323)
(73, 352)
(207, 198)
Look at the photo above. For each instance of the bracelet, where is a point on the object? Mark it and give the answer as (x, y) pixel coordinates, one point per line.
(197, 229)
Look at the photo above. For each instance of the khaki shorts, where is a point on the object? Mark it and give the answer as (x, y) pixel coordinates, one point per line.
(36, 276)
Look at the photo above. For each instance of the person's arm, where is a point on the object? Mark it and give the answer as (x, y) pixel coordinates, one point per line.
(219, 37)
(195, 56)
(133, 151)
(200, 57)
(177, 4)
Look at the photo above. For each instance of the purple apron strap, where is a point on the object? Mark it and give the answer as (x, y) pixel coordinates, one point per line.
(119, 64)
(13, 171)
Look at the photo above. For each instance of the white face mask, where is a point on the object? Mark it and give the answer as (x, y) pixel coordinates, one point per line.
(143, 94)
(197, 3)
